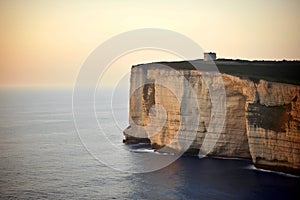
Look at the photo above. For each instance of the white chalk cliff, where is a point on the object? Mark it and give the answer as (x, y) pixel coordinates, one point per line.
(262, 120)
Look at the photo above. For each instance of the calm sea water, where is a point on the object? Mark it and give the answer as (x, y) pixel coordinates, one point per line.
(42, 157)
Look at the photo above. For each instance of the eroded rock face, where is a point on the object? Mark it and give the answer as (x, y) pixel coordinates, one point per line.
(273, 127)
(262, 120)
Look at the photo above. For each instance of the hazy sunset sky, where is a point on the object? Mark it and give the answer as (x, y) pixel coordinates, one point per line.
(44, 43)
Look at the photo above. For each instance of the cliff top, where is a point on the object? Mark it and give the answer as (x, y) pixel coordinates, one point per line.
(276, 71)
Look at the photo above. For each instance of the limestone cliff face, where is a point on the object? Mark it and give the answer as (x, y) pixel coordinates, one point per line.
(273, 127)
(262, 119)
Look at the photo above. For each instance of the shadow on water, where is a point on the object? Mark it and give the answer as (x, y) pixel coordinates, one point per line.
(212, 178)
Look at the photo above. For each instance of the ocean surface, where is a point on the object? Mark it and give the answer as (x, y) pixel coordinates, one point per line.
(42, 157)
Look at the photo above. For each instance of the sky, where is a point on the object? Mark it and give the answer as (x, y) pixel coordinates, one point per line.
(44, 43)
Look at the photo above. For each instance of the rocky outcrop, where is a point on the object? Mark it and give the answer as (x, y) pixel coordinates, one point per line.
(262, 119)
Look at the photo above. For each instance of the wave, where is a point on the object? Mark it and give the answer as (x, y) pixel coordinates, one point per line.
(252, 167)
(142, 150)
(164, 153)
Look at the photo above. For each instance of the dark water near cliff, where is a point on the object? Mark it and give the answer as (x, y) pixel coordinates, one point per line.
(41, 157)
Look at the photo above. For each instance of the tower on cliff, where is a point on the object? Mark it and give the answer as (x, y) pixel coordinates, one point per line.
(210, 56)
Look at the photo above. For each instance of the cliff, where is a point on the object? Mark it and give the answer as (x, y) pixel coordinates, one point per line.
(262, 118)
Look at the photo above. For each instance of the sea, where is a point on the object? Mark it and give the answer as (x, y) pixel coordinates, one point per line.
(43, 155)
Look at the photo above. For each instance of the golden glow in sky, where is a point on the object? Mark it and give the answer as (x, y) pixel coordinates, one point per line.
(44, 43)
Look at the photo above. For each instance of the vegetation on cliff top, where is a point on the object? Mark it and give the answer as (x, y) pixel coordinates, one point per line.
(276, 71)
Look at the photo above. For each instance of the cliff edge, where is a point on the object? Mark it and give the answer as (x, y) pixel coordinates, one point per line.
(262, 119)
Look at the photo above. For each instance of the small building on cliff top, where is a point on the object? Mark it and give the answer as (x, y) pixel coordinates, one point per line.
(210, 56)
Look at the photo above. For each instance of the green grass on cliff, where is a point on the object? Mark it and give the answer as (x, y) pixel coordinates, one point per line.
(276, 71)
(283, 71)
